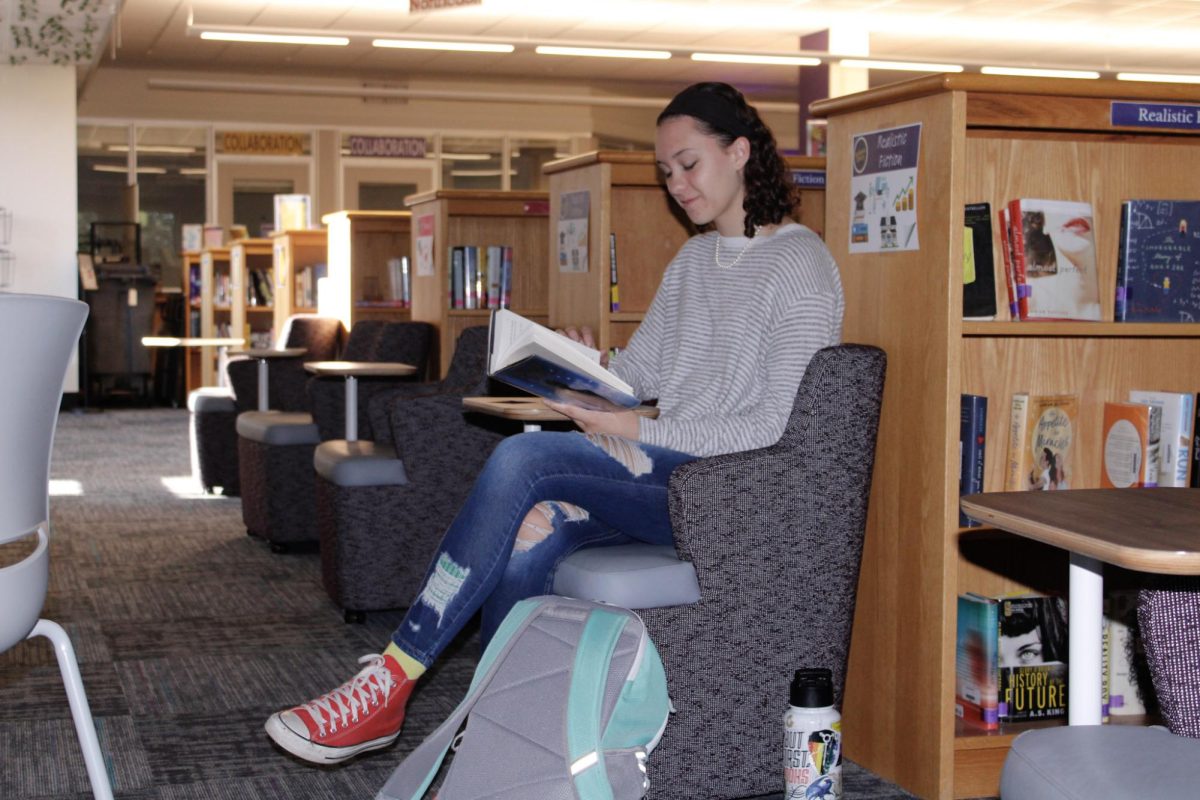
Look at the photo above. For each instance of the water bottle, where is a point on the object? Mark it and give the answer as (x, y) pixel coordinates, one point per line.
(812, 739)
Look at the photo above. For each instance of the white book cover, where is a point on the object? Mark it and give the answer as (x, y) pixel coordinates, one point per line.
(1175, 445)
(1059, 254)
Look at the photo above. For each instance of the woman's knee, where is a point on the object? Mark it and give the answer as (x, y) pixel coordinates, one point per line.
(545, 520)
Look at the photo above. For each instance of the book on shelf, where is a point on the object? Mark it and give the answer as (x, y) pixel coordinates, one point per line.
(458, 277)
(1175, 439)
(193, 236)
(399, 281)
(506, 268)
(1158, 261)
(495, 269)
(1132, 439)
(614, 296)
(972, 442)
(534, 358)
(293, 212)
(1131, 690)
(1015, 301)
(979, 269)
(1041, 442)
(976, 667)
(1032, 655)
(1054, 258)
(471, 277)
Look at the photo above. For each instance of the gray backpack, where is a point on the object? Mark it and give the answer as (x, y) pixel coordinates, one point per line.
(567, 702)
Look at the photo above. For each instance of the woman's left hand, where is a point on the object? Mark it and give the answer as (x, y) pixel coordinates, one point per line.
(618, 423)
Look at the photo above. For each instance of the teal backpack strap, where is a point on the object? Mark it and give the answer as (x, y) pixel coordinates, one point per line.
(411, 779)
(585, 703)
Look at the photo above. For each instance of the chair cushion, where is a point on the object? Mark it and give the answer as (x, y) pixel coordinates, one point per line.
(210, 398)
(1090, 761)
(360, 463)
(629, 575)
(278, 427)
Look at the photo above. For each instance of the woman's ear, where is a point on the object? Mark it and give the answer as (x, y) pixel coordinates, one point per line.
(739, 148)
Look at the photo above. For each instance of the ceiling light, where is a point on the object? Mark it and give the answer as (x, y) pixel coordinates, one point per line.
(170, 149)
(1029, 72)
(468, 156)
(467, 47)
(124, 169)
(907, 66)
(193, 171)
(479, 173)
(1157, 77)
(737, 58)
(601, 52)
(274, 38)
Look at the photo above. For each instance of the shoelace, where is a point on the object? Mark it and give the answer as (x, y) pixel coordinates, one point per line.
(353, 695)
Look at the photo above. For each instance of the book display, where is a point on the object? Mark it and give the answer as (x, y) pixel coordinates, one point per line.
(370, 256)
(252, 311)
(458, 220)
(299, 259)
(983, 139)
(1158, 261)
(626, 230)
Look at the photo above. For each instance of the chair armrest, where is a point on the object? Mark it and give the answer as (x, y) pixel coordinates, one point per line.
(379, 407)
(438, 442)
(327, 398)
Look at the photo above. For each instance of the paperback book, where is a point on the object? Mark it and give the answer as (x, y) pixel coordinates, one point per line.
(1032, 656)
(972, 443)
(976, 667)
(1041, 443)
(1132, 433)
(1054, 258)
(1158, 261)
(979, 270)
(1175, 439)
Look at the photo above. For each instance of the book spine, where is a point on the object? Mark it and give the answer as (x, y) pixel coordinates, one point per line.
(457, 277)
(1153, 447)
(506, 267)
(614, 300)
(1122, 297)
(471, 272)
(1017, 242)
(972, 442)
(494, 268)
(976, 685)
(1006, 257)
(1018, 417)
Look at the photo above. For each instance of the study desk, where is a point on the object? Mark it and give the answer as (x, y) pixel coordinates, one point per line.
(532, 411)
(191, 342)
(263, 355)
(352, 371)
(1149, 530)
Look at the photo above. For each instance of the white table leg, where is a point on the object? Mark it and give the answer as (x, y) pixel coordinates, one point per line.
(1084, 631)
(351, 408)
(531, 426)
(263, 403)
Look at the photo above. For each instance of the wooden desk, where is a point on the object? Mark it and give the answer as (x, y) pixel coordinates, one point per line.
(263, 355)
(352, 371)
(192, 344)
(1150, 530)
(530, 410)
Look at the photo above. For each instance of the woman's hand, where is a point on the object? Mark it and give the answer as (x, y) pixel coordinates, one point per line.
(584, 336)
(618, 423)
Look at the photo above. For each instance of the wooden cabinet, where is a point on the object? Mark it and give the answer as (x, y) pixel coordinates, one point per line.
(252, 313)
(361, 245)
(299, 258)
(626, 198)
(450, 218)
(983, 139)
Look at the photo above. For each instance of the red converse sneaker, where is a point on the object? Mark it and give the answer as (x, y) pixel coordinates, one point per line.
(364, 713)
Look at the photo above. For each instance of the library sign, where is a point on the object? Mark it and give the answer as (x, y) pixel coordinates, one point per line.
(1154, 115)
(262, 143)
(883, 190)
(387, 146)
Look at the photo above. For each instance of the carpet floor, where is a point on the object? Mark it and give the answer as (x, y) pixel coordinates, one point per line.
(189, 633)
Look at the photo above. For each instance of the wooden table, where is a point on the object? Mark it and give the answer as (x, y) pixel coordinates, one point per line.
(532, 411)
(189, 342)
(1150, 530)
(352, 371)
(263, 355)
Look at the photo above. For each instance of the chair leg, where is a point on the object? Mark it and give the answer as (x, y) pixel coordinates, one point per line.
(85, 728)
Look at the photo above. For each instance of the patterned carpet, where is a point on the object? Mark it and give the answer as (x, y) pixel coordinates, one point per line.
(189, 634)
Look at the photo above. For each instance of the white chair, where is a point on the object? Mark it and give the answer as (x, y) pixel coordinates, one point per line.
(37, 336)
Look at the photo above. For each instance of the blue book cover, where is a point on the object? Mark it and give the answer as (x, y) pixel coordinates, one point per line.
(1158, 267)
(972, 439)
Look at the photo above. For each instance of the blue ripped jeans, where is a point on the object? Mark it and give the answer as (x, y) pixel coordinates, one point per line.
(594, 490)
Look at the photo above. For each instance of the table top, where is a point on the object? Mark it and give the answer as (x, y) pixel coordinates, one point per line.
(191, 341)
(532, 409)
(270, 352)
(1150, 530)
(361, 369)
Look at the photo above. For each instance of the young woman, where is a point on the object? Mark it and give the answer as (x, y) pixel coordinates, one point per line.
(739, 314)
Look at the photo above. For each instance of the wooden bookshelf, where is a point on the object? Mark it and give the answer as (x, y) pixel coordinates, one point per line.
(627, 198)
(249, 315)
(462, 217)
(292, 252)
(360, 245)
(215, 307)
(983, 139)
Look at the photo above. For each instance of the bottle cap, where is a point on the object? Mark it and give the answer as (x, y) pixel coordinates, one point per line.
(812, 688)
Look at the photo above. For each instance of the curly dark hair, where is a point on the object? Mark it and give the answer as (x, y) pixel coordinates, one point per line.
(770, 193)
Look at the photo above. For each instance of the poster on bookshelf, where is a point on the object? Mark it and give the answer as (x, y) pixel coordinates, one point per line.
(883, 190)
(573, 232)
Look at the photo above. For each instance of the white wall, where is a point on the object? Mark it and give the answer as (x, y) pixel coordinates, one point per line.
(37, 179)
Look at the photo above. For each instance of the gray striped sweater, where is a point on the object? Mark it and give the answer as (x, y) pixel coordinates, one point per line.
(723, 350)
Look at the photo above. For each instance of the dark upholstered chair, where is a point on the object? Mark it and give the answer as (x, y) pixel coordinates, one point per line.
(775, 537)
(1086, 761)
(275, 449)
(214, 410)
(383, 505)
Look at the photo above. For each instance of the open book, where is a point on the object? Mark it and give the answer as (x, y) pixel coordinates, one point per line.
(534, 358)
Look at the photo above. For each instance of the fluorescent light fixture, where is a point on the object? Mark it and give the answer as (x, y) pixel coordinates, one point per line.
(274, 38)
(1157, 77)
(465, 47)
(907, 66)
(166, 149)
(601, 52)
(468, 156)
(479, 173)
(737, 58)
(61, 487)
(193, 171)
(121, 168)
(1029, 72)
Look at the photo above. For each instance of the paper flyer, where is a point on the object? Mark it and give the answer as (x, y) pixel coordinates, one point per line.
(883, 190)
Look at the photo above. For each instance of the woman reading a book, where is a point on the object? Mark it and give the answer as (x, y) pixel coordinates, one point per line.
(739, 313)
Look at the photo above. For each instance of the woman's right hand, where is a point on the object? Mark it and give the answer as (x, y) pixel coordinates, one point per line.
(583, 334)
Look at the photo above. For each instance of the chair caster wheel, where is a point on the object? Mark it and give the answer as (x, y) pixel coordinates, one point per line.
(354, 617)
(279, 547)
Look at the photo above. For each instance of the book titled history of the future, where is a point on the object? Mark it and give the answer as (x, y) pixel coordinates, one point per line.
(534, 358)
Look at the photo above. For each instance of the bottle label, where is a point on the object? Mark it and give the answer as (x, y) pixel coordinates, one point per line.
(812, 762)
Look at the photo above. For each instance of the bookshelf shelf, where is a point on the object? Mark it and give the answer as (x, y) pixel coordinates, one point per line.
(215, 285)
(250, 266)
(361, 244)
(292, 252)
(983, 139)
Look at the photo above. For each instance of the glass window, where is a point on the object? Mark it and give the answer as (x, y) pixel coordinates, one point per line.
(528, 155)
(471, 163)
(102, 176)
(171, 193)
(254, 203)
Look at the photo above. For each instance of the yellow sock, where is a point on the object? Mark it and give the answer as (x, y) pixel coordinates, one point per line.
(412, 668)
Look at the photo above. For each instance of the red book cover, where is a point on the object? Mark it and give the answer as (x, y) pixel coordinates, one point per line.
(1006, 256)
(1016, 241)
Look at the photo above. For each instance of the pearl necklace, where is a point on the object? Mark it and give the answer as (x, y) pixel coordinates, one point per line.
(742, 252)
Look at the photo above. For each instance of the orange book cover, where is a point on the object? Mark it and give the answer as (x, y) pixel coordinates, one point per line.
(1042, 442)
(1131, 443)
